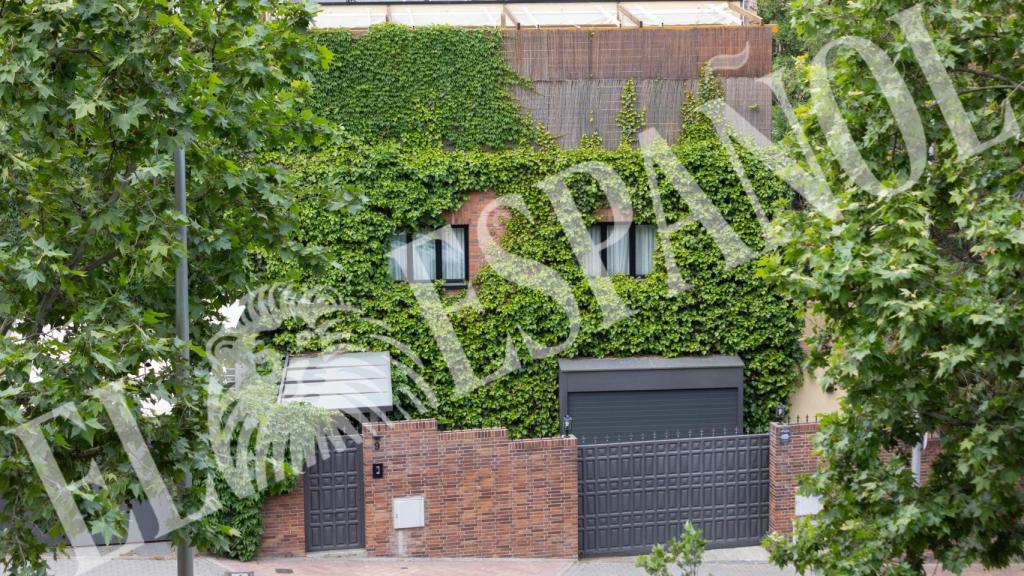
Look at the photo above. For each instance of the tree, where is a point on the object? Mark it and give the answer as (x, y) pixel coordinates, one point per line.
(919, 284)
(788, 57)
(94, 98)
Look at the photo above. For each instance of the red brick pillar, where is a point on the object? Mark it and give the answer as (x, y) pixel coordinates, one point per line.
(789, 460)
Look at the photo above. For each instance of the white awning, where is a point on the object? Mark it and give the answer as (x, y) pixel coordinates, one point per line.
(358, 15)
(347, 381)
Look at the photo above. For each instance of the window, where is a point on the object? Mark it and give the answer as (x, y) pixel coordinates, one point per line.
(631, 253)
(442, 254)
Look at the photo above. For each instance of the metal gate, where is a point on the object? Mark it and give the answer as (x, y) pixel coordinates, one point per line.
(633, 495)
(333, 490)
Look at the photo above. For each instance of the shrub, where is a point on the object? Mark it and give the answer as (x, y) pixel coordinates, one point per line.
(686, 552)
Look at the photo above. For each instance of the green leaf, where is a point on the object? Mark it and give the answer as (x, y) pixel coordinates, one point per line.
(172, 20)
(32, 278)
(130, 117)
(83, 107)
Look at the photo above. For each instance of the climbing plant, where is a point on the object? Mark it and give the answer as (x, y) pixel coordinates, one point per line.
(430, 85)
(631, 118)
(696, 122)
(419, 141)
(726, 310)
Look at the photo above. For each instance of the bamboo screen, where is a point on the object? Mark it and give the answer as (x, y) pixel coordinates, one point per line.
(578, 75)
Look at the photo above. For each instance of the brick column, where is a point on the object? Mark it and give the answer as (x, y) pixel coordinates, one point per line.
(788, 463)
(791, 461)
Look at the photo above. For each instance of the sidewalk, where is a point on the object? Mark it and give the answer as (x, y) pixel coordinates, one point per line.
(159, 560)
(400, 567)
(752, 561)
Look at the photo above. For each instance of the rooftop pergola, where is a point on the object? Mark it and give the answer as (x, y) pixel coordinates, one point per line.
(529, 14)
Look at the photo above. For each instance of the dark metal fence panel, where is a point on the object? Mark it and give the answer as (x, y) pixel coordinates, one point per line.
(633, 495)
(333, 488)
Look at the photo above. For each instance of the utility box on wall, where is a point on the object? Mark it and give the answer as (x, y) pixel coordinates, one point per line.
(408, 512)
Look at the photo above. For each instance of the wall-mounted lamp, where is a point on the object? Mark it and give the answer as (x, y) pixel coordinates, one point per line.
(566, 425)
(780, 412)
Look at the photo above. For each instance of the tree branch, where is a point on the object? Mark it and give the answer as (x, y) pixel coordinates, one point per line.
(44, 311)
(89, 452)
(984, 74)
(55, 291)
(6, 325)
(87, 52)
(101, 260)
(993, 87)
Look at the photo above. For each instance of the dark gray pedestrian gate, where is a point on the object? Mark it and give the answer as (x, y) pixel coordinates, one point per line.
(633, 495)
(333, 490)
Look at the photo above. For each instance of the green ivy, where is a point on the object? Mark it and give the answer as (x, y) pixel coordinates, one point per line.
(430, 85)
(631, 119)
(430, 120)
(695, 121)
(726, 311)
(236, 529)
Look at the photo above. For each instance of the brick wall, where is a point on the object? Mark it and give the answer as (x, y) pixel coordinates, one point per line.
(791, 461)
(471, 214)
(485, 495)
(788, 463)
(284, 529)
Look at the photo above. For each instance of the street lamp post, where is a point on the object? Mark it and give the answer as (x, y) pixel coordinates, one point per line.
(185, 561)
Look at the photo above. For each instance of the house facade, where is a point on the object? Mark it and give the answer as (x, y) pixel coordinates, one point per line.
(525, 459)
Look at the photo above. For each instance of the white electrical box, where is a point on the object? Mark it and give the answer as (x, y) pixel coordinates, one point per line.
(807, 505)
(408, 512)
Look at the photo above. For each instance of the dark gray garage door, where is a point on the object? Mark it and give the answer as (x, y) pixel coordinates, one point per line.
(649, 397)
(616, 416)
(633, 495)
(334, 500)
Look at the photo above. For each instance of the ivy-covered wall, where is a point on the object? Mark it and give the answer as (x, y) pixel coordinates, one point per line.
(436, 84)
(726, 311)
(409, 183)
